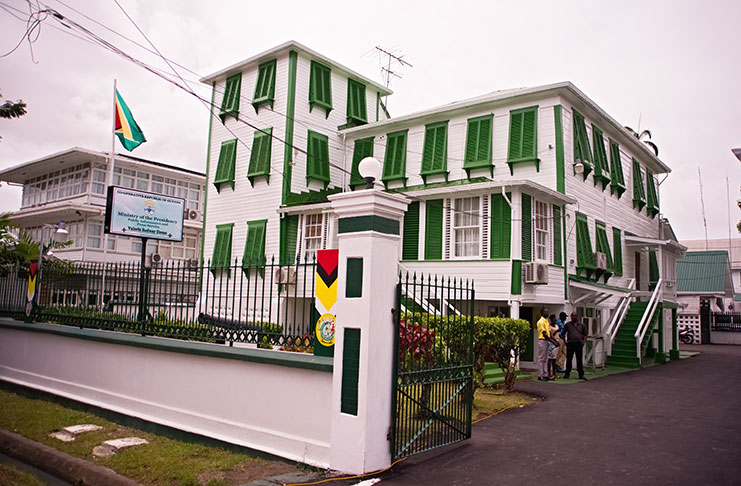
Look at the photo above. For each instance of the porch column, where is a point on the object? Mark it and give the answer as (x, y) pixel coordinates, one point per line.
(369, 223)
(515, 246)
(674, 352)
(660, 354)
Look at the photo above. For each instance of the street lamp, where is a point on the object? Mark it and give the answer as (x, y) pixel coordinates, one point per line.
(369, 169)
(61, 229)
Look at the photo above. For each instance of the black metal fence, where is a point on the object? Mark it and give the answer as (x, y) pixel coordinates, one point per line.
(433, 386)
(267, 304)
(726, 321)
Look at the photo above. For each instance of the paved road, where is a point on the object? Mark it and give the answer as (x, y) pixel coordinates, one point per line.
(678, 423)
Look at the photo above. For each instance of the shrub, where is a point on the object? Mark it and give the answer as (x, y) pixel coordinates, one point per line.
(498, 340)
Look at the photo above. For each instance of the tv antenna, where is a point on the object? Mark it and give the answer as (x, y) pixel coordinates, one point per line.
(391, 62)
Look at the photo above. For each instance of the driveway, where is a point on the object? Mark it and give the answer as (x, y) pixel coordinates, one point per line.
(678, 423)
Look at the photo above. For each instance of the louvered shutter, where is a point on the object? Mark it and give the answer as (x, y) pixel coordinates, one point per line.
(410, 245)
(325, 230)
(473, 142)
(557, 249)
(529, 131)
(527, 228)
(485, 237)
(447, 227)
(501, 227)
(617, 245)
(515, 136)
(288, 239)
(483, 152)
(434, 230)
(363, 148)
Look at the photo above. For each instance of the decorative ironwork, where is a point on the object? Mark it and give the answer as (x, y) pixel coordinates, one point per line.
(266, 304)
(433, 385)
(726, 321)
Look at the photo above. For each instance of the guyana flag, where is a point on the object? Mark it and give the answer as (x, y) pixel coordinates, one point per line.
(127, 130)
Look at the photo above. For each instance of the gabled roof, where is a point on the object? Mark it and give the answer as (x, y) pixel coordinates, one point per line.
(565, 88)
(270, 53)
(704, 272)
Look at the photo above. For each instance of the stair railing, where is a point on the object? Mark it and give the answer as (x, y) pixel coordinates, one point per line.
(648, 316)
(417, 296)
(621, 310)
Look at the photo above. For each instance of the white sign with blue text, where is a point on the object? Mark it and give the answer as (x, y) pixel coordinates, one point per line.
(145, 215)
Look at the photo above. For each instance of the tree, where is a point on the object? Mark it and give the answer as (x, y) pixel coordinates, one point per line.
(18, 249)
(645, 137)
(11, 109)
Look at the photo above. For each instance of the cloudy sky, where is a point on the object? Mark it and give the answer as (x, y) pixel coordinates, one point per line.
(672, 65)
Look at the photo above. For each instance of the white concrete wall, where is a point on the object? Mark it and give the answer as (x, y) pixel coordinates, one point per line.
(721, 337)
(277, 409)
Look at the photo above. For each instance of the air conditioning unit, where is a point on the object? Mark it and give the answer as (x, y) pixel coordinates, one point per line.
(600, 260)
(190, 214)
(593, 325)
(536, 273)
(285, 275)
(155, 258)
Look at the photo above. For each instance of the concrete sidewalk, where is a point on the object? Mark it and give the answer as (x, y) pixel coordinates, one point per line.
(676, 423)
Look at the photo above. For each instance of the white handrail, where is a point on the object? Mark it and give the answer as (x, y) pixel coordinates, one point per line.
(621, 310)
(648, 316)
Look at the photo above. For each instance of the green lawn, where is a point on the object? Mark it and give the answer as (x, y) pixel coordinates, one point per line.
(162, 462)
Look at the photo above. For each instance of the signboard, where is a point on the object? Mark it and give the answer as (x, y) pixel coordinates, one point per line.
(326, 297)
(144, 214)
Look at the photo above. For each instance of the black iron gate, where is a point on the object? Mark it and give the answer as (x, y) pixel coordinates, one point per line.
(433, 386)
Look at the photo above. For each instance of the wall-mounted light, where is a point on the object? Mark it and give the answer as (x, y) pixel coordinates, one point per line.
(578, 166)
(370, 170)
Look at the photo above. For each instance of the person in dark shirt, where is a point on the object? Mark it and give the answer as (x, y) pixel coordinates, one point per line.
(576, 336)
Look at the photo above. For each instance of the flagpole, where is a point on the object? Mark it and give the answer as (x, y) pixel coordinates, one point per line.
(109, 183)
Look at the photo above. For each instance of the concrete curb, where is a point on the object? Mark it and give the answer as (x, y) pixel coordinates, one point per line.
(60, 464)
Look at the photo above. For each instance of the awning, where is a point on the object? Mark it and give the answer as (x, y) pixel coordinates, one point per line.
(586, 293)
(644, 241)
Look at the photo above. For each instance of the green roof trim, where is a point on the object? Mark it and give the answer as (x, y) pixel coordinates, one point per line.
(704, 271)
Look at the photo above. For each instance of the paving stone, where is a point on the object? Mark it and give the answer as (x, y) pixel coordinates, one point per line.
(102, 451)
(81, 429)
(118, 444)
(63, 436)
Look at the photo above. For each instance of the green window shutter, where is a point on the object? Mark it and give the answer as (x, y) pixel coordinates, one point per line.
(434, 230)
(617, 246)
(320, 87)
(261, 152)
(356, 110)
(617, 185)
(317, 160)
(600, 158)
(501, 226)
(226, 167)
(254, 247)
(523, 137)
(652, 197)
(410, 245)
(603, 245)
(527, 228)
(653, 269)
(395, 161)
(232, 93)
(584, 255)
(557, 251)
(639, 196)
(581, 143)
(478, 144)
(363, 148)
(222, 255)
(288, 239)
(435, 152)
(265, 87)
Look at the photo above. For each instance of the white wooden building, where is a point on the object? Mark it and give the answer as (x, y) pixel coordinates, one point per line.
(495, 190)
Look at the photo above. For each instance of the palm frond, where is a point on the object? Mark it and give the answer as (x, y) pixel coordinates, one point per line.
(653, 146)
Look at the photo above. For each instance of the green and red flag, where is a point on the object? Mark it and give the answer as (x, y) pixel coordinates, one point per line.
(127, 130)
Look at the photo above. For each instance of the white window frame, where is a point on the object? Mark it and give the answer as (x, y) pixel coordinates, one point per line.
(311, 223)
(465, 218)
(542, 231)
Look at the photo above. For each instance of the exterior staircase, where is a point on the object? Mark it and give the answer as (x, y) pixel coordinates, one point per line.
(493, 375)
(624, 346)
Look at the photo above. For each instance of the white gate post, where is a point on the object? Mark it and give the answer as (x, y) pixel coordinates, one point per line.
(369, 229)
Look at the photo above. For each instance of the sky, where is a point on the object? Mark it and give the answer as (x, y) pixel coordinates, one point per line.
(672, 67)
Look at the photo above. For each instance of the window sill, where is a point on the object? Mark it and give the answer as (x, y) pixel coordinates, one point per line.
(320, 104)
(224, 114)
(256, 103)
(617, 187)
(468, 167)
(513, 162)
(252, 177)
(218, 184)
(386, 180)
(425, 174)
(319, 179)
(605, 180)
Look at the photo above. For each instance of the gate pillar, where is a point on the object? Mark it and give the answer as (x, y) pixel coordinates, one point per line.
(369, 230)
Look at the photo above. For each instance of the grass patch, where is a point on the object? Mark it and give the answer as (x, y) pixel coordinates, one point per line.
(487, 401)
(162, 462)
(12, 476)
